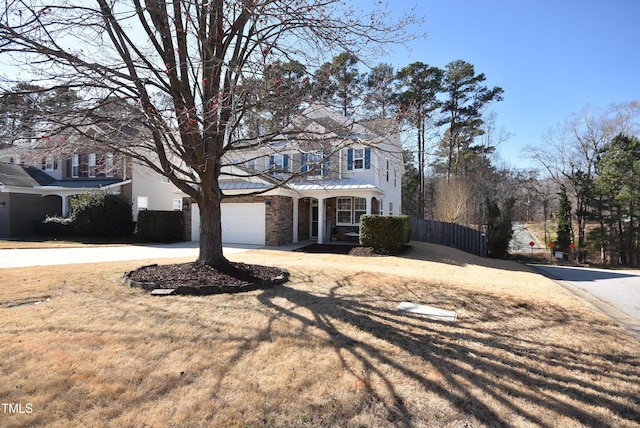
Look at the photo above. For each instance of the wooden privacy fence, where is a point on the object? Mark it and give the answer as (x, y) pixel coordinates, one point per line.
(450, 234)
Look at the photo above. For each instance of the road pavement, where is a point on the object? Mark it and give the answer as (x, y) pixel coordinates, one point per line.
(26, 257)
(521, 239)
(614, 292)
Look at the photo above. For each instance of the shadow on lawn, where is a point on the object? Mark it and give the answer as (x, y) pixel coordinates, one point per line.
(489, 375)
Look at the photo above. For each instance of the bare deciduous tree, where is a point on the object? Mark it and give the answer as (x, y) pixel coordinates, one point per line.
(184, 70)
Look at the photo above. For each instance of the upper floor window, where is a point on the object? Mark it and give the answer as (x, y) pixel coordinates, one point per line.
(75, 166)
(49, 163)
(387, 169)
(315, 163)
(92, 164)
(358, 159)
(279, 163)
(109, 165)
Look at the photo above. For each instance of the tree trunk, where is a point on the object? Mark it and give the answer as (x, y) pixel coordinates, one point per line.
(210, 230)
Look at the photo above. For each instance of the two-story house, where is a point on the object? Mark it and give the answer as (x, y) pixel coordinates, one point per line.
(313, 183)
(37, 179)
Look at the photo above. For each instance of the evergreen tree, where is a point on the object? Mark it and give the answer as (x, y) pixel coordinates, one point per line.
(499, 227)
(462, 109)
(379, 91)
(339, 83)
(564, 229)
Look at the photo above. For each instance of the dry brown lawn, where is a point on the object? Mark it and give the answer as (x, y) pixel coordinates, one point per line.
(326, 349)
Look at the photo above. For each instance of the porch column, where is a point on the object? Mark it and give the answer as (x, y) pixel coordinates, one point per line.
(321, 220)
(65, 205)
(295, 220)
(369, 205)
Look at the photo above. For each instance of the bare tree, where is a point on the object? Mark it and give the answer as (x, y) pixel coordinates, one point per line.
(454, 201)
(571, 150)
(184, 70)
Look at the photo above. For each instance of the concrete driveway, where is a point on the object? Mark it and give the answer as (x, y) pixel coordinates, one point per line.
(616, 293)
(106, 253)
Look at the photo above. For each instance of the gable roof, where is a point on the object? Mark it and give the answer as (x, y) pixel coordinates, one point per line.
(20, 176)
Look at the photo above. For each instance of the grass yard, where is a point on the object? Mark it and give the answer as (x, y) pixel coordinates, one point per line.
(328, 348)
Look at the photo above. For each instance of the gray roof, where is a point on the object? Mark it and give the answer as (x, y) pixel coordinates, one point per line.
(20, 176)
(243, 185)
(84, 184)
(338, 184)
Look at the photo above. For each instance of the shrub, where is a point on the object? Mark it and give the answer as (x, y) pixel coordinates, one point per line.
(102, 215)
(161, 226)
(55, 226)
(385, 234)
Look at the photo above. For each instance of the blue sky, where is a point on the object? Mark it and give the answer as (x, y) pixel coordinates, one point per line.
(552, 58)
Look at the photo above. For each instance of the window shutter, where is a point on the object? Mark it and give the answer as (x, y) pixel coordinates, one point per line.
(285, 163)
(303, 161)
(350, 159)
(271, 163)
(325, 166)
(367, 158)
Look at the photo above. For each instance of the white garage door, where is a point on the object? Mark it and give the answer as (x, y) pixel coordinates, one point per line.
(241, 223)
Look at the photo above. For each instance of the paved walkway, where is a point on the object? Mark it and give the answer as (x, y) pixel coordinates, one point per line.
(26, 257)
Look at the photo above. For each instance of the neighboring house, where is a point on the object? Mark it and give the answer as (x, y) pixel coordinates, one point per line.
(36, 181)
(291, 190)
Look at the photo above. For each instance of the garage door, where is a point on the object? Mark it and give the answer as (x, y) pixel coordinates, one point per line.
(241, 223)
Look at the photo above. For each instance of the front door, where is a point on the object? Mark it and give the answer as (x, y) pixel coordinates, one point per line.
(314, 219)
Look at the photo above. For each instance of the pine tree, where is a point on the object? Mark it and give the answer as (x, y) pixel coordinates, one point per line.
(564, 230)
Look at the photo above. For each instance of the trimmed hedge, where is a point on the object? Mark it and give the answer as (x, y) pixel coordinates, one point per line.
(161, 226)
(102, 215)
(386, 234)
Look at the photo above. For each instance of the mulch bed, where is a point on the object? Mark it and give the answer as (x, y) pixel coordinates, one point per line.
(200, 279)
(345, 249)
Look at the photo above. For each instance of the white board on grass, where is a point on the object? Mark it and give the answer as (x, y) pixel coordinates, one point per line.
(429, 311)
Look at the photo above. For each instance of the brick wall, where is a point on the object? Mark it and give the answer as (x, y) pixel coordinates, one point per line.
(278, 217)
(279, 224)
